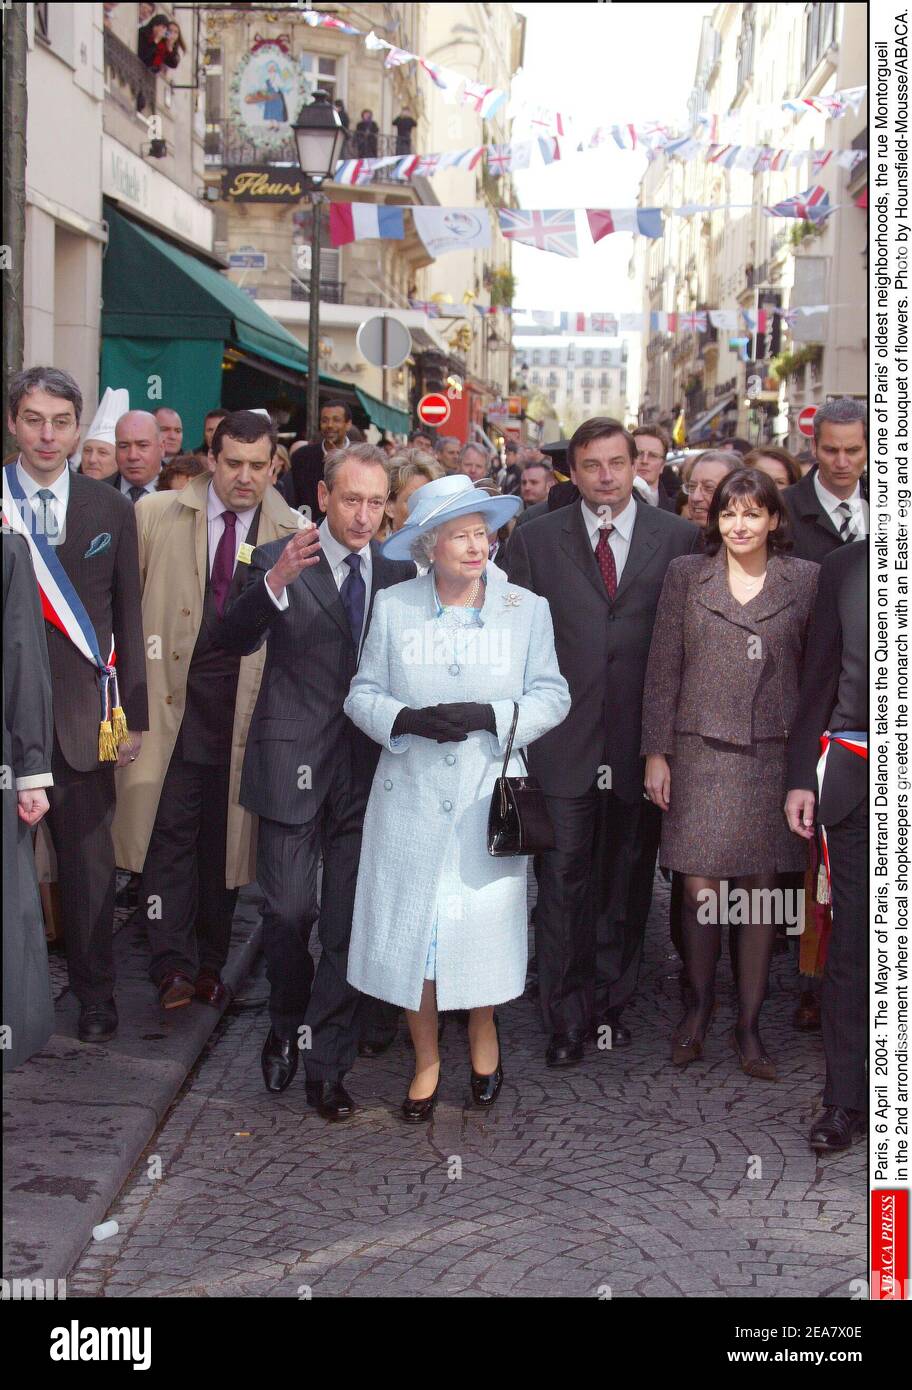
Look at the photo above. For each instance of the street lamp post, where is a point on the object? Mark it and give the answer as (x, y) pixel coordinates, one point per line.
(319, 135)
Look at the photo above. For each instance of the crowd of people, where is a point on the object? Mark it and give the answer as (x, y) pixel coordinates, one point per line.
(330, 661)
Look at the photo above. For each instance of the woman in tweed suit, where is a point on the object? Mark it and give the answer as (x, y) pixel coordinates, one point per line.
(720, 698)
(438, 922)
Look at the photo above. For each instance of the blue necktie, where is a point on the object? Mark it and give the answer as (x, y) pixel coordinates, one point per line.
(352, 594)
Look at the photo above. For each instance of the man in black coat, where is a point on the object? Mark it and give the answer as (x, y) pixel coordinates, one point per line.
(653, 443)
(829, 507)
(308, 770)
(834, 701)
(601, 563)
(93, 533)
(301, 483)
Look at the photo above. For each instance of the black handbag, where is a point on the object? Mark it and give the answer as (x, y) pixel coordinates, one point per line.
(518, 821)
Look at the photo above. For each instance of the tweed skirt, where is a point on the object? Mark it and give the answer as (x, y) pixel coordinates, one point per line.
(725, 818)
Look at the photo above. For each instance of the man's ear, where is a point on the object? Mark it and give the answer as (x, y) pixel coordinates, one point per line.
(210, 461)
(322, 495)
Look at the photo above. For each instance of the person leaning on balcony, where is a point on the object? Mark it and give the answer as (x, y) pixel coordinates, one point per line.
(404, 124)
(366, 132)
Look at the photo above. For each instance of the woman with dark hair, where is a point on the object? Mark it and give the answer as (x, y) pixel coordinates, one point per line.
(176, 474)
(782, 467)
(720, 697)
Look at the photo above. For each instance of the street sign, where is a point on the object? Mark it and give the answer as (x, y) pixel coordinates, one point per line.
(433, 409)
(384, 341)
(247, 258)
(806, 420)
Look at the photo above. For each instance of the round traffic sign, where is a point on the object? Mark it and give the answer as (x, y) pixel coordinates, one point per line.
(434, 409)
(384, 341)
(806, 420)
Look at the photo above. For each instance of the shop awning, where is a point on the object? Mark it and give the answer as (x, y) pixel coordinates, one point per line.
(695, 429)
(153, 290)
(385, 417)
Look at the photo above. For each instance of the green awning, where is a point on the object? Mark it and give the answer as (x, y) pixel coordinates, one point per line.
(385, 417)
(152, 290)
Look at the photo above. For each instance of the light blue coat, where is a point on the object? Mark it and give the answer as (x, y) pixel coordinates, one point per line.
(424, 852)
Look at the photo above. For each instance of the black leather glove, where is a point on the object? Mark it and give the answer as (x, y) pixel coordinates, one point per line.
(469, 718)
(429, 722)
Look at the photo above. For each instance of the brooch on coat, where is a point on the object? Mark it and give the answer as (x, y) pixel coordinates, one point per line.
(512, 600)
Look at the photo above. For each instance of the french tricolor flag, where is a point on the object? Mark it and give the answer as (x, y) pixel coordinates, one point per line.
(604, 221)
(361, 221)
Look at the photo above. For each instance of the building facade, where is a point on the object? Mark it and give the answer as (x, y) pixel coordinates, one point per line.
(578, 377)
(736, 381)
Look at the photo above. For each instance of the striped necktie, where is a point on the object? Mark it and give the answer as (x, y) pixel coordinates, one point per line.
(847, 529)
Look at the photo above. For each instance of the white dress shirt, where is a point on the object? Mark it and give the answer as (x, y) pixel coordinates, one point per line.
(335, 555)
(215, 515)
(831, 505)
(147, 487)
(619, 539)
(60, 488)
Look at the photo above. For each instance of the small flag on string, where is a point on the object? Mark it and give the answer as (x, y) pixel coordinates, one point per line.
(353, 171)
(549, 229)
(550, 148)
(755, 319)
(484, 100)
(426, 306)
(604, 221)
(813, 205)
(363, 221)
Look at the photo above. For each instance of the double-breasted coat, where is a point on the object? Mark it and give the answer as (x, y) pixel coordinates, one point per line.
(173, 559)
(424, 855)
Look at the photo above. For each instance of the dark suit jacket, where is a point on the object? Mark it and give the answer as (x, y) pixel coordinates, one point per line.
(298, 721)
(834, 688)
(300, 482)
(108, 585)
(602, 645)
(721, 669)
(812, 531)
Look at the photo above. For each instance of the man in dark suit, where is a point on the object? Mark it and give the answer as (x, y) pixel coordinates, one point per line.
(830, 505)
(600, 563)
(307, 769)
(300, 486)
(139, 449)
(834, 701)
(653, 443)
(93, 534)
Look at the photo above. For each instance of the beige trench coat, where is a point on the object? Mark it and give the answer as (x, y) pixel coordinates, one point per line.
(173, 545)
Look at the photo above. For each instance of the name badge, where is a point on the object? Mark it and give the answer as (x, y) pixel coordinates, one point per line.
(245, 554)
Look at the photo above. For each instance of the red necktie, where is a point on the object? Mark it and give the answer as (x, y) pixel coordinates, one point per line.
(605, 557)
(223, 567)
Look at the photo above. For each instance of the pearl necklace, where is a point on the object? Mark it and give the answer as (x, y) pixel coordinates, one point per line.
(470, 601)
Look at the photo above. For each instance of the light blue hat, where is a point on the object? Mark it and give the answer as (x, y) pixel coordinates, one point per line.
(442, 500)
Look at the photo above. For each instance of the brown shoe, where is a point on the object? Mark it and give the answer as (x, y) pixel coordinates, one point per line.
(806, 1017)
(761, 1068)
(210, 989)
(175, 990)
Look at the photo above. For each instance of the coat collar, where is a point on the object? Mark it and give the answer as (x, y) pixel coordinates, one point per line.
(712, 591)
(195, 495)
(643, 542)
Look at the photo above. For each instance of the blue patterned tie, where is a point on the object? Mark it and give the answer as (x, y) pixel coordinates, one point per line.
(352, 594)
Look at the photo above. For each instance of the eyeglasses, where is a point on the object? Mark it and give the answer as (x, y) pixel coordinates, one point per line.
(699, 489)
(649, 456)
(60, 423)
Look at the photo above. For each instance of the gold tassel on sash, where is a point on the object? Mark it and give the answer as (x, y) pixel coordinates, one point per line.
(119, 725)
(113, 730)
(107, 743)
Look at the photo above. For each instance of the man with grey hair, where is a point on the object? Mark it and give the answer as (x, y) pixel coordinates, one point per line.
(447, 451)
(307, 769)
(139, 448)
(473, 462)
(82, 538)
(172, 432)
(829, 507)
(705, 476)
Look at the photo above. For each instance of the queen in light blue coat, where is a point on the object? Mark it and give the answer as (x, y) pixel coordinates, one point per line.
(438, 922)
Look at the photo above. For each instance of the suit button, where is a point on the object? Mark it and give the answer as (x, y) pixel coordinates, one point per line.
(450, 760)
(186, 612)
(454, 670)
(167, 699)
(176, 656)
(388, 785)
(448, 805)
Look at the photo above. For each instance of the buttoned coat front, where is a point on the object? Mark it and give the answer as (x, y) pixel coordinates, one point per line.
(424, 853)
(173, 556)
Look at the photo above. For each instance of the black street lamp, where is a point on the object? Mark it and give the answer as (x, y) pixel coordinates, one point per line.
(319, 135)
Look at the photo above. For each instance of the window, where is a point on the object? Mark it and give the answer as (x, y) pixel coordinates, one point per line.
(603, 397)
(212, 145)
(553, 357)
(536, 378)
(605, 357)
(588, 356)
(41, 22)
(587, 380)
(552, 379)
(587, 398)
(819, 33)
(536, 357)
(746, 47)
(320, 73)
(603, 379)
(552, 397)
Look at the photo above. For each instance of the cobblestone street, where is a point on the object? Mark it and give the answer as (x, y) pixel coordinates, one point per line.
(620, 1174)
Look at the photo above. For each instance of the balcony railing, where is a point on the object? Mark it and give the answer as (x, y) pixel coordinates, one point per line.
(223, 150)
(331, 291)
(129, 69)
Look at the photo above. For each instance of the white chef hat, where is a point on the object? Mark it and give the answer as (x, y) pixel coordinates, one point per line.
(114, 403)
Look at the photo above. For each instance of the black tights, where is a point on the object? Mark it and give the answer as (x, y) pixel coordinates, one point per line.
(702, 932)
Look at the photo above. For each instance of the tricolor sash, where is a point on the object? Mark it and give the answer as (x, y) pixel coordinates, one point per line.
(856, 743)
(63, 607)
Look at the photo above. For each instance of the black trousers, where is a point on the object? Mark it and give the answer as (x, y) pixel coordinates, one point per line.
(287, 861)
(844, 997)
(188, 908)
(79, 821)
(594, 894)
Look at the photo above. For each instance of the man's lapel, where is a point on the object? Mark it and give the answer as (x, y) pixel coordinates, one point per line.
(81, 523)
(643, 542)
(575, 544)
(320, 582)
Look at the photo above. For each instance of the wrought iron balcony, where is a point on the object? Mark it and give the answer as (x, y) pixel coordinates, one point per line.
(129, 69)
(331, 291)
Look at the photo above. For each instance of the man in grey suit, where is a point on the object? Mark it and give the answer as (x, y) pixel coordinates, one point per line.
(307, 770)
(600, 562)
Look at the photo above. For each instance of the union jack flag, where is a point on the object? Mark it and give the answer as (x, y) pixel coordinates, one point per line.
(317, 20)
(813, 205)
(603, 323)
(549, 229)
(426, 306)
(426, 165)
(500, 159)
(695, 321)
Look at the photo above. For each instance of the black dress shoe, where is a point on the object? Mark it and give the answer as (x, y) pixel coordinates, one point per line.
(837, 1129)
(620, 1035)
(97, 1022)
(416, 1110)
(486, 1089)
(565, 1049)
(279, 1061)
(331, 1099)
(375, 1049)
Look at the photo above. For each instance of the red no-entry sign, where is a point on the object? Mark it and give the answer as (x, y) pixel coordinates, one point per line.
(806, 420)
(433, 409)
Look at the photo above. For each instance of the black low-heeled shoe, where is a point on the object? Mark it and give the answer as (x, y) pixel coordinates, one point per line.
(486, 1089)
(417, 1110)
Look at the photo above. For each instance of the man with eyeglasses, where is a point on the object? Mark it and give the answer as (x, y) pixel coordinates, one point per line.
(82, 537)
(705, 476)
(653, 444)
